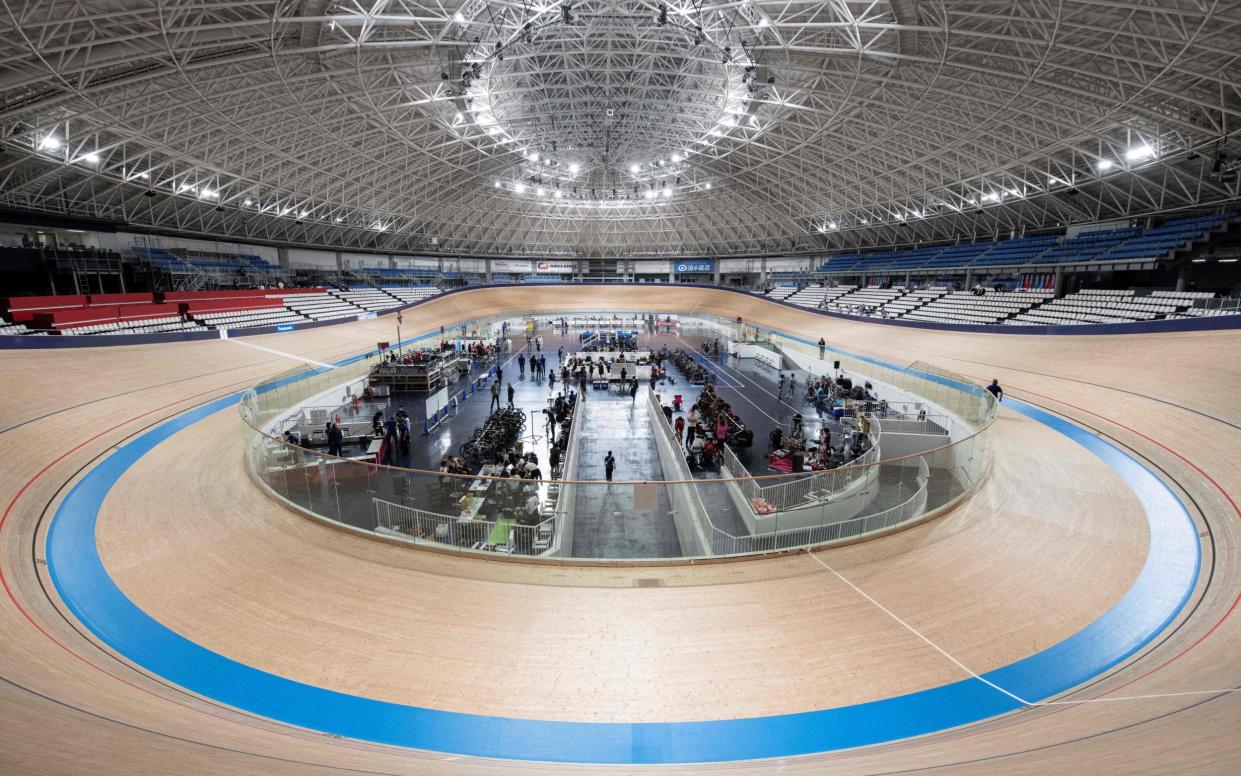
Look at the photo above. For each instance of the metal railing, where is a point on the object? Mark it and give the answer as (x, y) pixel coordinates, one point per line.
(505, 535)
(933, 424)
(350, 489)
(1223, 305)
(723, 543)
(799, 490)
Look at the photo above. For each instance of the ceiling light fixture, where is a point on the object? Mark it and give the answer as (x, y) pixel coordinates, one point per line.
(1139, 153)
(1104, 165)
(49, 143)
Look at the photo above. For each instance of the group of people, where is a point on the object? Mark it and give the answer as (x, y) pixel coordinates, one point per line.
(793, 451)
(394, 433)
(827, 394)
(538, 366)
(479, 350)
(557, 415)
(705, 428)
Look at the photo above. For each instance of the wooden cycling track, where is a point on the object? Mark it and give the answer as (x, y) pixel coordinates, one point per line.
(1047, 543)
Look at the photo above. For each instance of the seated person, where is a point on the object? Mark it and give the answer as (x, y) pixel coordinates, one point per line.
(530, 510)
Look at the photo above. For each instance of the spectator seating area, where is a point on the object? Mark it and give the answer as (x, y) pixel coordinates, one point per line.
(244, 319)
(143, 326)
(782, 292)
(193, 310)
(1028, 307)
(369, 299)
(322, 306)
(901, 305)
(1130, 243)
(1109, 306)
(818, 296)
(383, 275)
(862, 300)
(15, 328)
(217, 268)
(411, 294)
(965, 307)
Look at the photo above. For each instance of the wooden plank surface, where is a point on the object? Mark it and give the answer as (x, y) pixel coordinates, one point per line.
(1050, 540)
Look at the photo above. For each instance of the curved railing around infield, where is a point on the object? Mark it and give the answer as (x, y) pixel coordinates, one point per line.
(929, 449)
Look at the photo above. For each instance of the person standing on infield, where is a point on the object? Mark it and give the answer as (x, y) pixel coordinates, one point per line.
(609, 465)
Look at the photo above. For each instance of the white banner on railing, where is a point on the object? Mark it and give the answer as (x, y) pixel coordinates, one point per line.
(437, 401)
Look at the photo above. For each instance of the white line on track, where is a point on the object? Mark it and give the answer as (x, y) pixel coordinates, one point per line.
(742, 377)
(779, 398)
(915, 632)
(993, 685)
(280, 353)
(738, 388)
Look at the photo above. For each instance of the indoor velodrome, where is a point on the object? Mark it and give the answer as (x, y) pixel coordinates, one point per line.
(620, 388)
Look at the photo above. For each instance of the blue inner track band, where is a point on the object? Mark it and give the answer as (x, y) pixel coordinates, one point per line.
(1162, 589)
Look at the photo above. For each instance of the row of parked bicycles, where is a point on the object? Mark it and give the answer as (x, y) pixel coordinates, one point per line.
(493, 438)
(691, 367)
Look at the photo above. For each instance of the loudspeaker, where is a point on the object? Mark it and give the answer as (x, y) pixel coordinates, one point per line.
(835, 365)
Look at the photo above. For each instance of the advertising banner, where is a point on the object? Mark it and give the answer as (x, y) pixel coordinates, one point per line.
(554, 267)
(695, 265)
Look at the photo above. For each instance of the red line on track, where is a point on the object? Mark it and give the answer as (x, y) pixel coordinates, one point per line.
(1235, 601)
(288, 731)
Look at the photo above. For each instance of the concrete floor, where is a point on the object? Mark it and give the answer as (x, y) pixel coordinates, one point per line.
(621, 520)
(617, 521)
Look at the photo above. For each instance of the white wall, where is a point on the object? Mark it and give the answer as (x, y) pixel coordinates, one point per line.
(789, 265)
(519, 266)
(653, 267)
(416, 262)
(299, 257)
(741, 265)
(359, 260)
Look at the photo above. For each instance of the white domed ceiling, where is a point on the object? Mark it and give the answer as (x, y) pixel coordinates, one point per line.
(610, 128)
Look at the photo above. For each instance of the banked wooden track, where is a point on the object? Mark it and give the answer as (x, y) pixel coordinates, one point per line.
(1048, 544)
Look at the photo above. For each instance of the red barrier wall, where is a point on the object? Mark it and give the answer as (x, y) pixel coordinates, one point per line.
(28, 303)
(83, 316)
(97, 300)
(198, 296)
(135, 311)
(198, 307)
